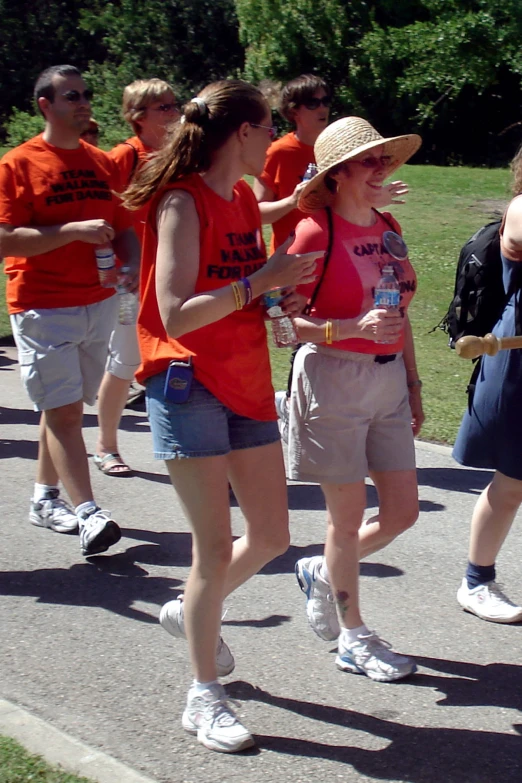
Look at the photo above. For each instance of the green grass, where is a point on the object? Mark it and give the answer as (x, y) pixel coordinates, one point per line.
(444, 207)
(18, 766)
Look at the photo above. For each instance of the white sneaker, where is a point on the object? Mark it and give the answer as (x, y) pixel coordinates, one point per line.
(208, 715)
(53, 512)
(489, 603)
(97, 532)
(374, 657)
(320, 603)
(173, 621)
(281, 405)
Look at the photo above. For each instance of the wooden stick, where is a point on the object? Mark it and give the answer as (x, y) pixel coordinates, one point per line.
(471, 347)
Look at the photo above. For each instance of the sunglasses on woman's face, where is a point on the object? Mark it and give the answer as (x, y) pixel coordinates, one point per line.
(371, 162)
(314, 103)
(272, 129)
(73, 96)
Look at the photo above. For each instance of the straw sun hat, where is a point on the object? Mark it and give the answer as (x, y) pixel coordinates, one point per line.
(343, 140)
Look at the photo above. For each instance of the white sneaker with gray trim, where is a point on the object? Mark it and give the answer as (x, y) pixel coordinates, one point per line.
(281, 405)
(97, 532)
(320, 603)
(488, 602)
(208, 715)
(374, 657)
(172, 620)
(53, 512)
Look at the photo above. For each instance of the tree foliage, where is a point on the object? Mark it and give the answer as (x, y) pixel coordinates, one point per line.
(449, 69)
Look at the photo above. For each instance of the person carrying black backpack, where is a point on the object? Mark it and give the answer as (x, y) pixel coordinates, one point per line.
(490, 436)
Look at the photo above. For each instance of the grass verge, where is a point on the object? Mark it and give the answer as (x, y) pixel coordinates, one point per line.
(19, 766)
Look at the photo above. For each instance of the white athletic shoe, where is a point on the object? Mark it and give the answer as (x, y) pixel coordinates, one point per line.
(172, 620)
(320, 603)
(489, 603)
(54, 513)
(374, 657)
(97, 532)
(281, 405)
(208, 715)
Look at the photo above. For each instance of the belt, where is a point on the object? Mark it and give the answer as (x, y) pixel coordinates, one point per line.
(385, 358)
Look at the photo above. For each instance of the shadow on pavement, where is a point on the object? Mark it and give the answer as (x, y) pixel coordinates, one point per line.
(413, 754)
(455, 479)
(111, 583)
(175, 549)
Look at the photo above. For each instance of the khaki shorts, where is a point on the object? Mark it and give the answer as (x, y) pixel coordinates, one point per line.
(63, 352)
(348, 415)
(124, 355)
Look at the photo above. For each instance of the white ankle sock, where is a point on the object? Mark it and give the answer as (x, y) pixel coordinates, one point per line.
(40, 490)
(351, 634)
(202, 686)
(85, 509)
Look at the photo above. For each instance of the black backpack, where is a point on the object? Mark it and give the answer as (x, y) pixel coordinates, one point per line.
(479, 296)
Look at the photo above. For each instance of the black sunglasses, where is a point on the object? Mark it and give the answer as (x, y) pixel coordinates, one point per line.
(314, 103)
(73, 96)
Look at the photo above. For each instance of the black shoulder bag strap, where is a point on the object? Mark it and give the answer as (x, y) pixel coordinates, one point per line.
(313, 298)
(135, 160)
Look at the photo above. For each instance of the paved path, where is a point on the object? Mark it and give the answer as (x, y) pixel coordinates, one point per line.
(81, 649)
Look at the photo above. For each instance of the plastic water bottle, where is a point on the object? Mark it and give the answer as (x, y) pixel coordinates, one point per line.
(127, 302)
(106, 263)
(311, 171)
(283, 329)
(387, 293)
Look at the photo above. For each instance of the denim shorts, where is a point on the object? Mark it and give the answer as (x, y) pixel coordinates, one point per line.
(202, 426)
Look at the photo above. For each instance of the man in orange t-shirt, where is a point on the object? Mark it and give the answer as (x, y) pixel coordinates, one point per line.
(150, 107)
(305, 102)
(56, 204)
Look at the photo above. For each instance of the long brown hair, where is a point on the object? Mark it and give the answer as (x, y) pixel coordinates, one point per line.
(205, 125)
(516, 171)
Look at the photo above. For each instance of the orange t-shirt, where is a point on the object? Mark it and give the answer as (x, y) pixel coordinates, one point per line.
(128, 156)
(285, 166)
(230, 356)
(43, 185)
(356, 262)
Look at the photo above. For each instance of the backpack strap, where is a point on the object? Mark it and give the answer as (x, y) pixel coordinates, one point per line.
(135, 160)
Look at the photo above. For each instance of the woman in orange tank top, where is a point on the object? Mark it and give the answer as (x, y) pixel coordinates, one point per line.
(212, 413)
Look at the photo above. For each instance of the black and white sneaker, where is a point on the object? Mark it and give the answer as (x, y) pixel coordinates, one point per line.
(97, 532)
(54, 513)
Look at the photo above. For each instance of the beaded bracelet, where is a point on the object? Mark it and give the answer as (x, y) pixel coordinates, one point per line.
(248, 290)
(418, 383)
(237, 295)
(329, 329)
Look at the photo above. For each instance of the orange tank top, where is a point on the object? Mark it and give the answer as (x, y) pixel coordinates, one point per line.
(230, 356)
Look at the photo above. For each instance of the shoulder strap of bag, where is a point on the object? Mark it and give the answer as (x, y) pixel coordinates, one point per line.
(135, 160)
(328, 253)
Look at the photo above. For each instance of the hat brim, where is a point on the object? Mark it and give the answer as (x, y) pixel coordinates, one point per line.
(400, 148)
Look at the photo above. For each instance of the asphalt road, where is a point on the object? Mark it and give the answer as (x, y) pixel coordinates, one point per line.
(81, 648)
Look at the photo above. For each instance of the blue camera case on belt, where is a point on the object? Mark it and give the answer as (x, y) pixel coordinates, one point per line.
(178, 381)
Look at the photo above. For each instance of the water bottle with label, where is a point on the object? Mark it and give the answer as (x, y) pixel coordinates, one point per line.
(127, 302)
(106, 263)
(283, 329)
(387, 293)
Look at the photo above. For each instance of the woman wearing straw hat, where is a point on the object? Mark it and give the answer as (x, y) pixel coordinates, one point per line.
(355, 402)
